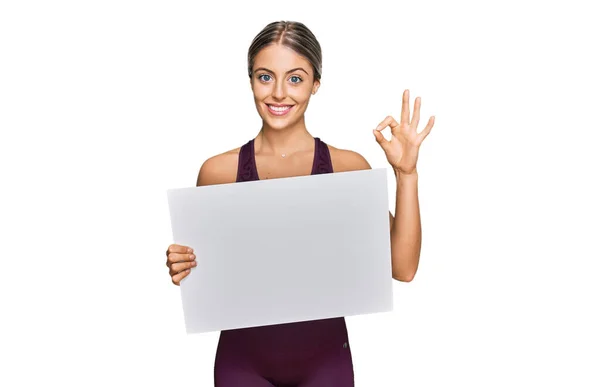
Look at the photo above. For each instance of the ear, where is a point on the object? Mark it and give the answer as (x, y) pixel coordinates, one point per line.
(316, 85)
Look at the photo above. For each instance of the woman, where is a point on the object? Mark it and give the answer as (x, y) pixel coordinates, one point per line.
(284, 65)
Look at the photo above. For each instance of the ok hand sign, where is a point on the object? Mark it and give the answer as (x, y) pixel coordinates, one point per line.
(402, 150)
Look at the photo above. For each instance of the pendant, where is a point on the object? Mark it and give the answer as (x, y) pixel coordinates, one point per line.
(283, 155)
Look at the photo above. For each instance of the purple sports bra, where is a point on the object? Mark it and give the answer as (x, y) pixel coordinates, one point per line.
(247, 162)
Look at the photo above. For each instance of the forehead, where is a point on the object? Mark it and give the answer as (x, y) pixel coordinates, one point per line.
(279, 58)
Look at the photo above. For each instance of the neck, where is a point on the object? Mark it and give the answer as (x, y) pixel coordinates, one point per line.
(283, 141)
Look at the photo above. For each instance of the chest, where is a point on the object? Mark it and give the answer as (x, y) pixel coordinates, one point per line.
(273, 167)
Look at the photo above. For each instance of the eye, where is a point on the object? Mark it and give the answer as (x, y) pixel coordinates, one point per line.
(296, 79)
(265, 77)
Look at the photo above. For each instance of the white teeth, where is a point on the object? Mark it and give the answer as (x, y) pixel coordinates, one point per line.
(279, 108)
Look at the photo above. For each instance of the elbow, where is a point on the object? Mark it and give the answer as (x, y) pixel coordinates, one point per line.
(404, 273)
(404, 267)
(404, 277)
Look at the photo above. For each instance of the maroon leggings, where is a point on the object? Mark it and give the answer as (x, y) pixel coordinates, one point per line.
(305, 354)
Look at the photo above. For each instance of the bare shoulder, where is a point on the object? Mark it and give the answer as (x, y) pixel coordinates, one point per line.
(219, 169)
(344, 160)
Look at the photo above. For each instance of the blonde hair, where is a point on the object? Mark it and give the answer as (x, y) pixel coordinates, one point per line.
(291, 34)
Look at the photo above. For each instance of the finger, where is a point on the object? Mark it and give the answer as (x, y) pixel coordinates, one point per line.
(176, 257)
(179, 249)
(381, 140)
(181, 266)
(178, 277)
(414, 123)
(425, 132)
(388, 121)
(405, 115)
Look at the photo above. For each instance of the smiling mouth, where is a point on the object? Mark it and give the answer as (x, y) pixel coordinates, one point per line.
(279, 110)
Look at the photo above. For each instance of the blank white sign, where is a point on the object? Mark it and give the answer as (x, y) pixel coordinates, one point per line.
(284, 250)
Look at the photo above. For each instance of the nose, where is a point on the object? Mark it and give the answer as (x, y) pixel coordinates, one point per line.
(279, 91)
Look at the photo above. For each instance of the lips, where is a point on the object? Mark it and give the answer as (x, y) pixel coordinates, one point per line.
(279, 110)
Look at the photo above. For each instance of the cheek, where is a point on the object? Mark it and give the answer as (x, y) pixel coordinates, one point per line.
(260, 90)
(259, 98)
(301, 94)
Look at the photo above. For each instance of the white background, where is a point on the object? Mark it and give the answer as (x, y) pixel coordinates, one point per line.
(105, 105)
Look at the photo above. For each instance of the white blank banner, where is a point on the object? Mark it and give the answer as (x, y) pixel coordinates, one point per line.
(284, 250)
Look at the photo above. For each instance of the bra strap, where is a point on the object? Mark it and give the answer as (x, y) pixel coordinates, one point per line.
(246, 165)
(322, 162)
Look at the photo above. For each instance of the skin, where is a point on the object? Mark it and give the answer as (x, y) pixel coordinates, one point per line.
(281, 76)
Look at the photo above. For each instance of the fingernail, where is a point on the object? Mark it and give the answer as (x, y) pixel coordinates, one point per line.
(189, 250)
(194, 264)
(192, 256)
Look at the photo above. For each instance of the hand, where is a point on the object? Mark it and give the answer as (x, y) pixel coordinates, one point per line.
(180, 261)
(402, 150)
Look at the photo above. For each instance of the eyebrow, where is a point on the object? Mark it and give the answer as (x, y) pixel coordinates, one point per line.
(287, 72)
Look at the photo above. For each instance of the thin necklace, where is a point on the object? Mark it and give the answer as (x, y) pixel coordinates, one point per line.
(263, 135)
(282, 155)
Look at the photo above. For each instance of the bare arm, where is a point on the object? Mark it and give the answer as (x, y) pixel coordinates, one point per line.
(406, 229)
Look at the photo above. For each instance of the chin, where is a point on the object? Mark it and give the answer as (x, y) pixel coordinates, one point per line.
(278, 124)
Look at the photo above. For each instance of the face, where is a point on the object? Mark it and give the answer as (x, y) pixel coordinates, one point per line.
(282, 82)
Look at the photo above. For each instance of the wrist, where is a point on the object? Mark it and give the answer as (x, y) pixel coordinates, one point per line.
(405, 175)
